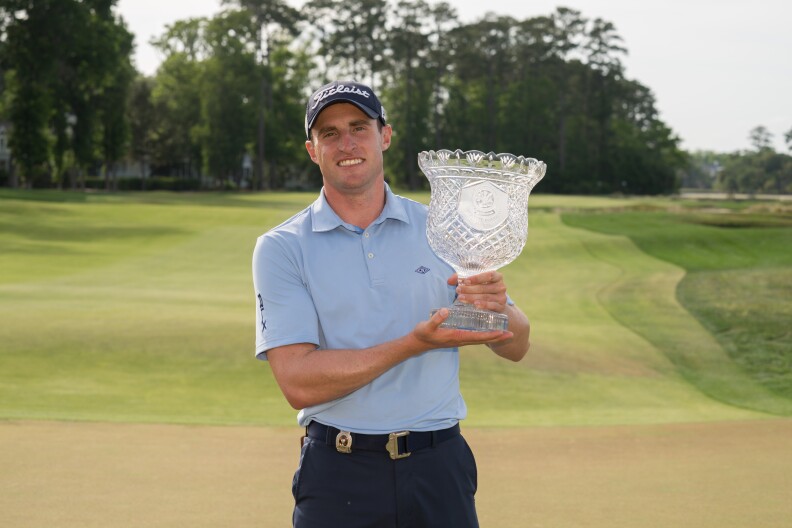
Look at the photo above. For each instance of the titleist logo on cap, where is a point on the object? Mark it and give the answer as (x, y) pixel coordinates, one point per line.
(341, 88)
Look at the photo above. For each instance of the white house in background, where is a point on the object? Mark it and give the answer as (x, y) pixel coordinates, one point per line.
(128, 168)
(247, 171)
(5, 152)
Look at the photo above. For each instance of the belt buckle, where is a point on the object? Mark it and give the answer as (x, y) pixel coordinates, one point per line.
(393, 445)
(344, 442)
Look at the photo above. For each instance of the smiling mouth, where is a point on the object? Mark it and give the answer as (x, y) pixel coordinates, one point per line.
(350, 162)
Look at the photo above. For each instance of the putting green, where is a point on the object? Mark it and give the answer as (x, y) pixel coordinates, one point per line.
(86, 475)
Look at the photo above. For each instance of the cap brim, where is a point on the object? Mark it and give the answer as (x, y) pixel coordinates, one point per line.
(373, 114)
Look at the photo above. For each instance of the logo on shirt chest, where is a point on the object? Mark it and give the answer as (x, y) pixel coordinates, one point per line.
(423, 270)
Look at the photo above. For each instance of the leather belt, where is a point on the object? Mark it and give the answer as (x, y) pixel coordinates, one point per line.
(398, 445)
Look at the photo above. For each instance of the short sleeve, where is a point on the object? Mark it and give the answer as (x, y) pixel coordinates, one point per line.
(285, 312)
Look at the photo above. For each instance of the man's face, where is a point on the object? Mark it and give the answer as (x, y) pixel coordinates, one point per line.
(348, 145)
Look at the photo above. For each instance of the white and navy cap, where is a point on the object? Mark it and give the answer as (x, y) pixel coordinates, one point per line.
(358, 94)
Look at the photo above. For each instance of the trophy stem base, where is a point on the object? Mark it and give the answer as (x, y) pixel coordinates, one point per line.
(466, 317)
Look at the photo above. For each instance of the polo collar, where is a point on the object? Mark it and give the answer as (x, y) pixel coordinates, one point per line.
(323, 218)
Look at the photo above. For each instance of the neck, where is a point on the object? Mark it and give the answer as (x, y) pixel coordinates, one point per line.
(357, 208)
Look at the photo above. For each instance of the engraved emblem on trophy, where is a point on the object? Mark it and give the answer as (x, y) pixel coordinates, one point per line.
(478, 218)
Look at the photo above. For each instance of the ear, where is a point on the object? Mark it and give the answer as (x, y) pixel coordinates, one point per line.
(309, 146)
(387, 134)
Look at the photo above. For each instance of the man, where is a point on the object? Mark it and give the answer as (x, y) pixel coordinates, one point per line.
(344, 289)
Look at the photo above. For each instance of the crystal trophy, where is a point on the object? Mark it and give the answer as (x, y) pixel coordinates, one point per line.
(478, 218)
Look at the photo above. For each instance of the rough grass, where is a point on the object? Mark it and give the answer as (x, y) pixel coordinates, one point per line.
(738, 285)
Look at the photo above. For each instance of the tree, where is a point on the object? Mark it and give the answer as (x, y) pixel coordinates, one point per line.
(176, 95)
(351, 34)
(290, 75)
(603, 48)
(533, 96)
(757, 171)
(28, 52)
(65, 56)
(603, 52)
(568, 33)
(761, 138)
(272, 17)
(112, 102)
(643, 156)
(551, 87)
(208, 98)
(229, 95)
(142, 123)
(409, 86)
(442, 19)
(483, 65)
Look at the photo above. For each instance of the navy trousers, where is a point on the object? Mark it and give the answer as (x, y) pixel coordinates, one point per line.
(433, 487)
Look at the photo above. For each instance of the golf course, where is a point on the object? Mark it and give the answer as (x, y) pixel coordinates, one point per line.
(657, 391)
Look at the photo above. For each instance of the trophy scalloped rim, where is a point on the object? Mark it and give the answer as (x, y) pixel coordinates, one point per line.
(500, 162)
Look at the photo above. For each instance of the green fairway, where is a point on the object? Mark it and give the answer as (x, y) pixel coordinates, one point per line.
(139, 308)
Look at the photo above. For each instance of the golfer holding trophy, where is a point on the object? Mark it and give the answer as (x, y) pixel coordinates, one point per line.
(343, 295)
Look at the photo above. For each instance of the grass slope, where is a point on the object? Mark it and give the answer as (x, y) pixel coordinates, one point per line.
(139, 308)
(737, 281)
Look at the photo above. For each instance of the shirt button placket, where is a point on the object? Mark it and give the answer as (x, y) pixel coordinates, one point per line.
(366, 245)
(374, 273)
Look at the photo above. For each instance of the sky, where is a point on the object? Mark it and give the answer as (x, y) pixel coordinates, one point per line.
(717, 68)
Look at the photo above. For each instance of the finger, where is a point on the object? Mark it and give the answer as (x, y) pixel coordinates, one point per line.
(496, 277)
(495, 290)
(488, 277)
(453, 280)
(496, 287)
(483, 299)
(438, 318)
(505, 334)
(493, 306)
(470, 337)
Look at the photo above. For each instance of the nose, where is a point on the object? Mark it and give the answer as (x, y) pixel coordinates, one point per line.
(347, 143)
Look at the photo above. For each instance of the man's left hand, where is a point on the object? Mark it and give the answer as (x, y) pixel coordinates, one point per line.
(485, 290)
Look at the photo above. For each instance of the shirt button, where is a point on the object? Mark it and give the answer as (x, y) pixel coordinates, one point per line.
(366, 234)
(371, 255)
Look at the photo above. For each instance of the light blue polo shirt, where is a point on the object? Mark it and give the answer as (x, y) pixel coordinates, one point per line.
(320, 280)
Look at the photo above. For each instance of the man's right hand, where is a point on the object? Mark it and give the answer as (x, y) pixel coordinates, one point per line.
(310, 376)
(433, 335)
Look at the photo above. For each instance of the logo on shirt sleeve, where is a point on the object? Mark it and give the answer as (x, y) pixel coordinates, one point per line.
(261, 309)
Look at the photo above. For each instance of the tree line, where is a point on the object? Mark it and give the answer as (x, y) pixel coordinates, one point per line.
(759, 169)
(230, 93)
(65, 73)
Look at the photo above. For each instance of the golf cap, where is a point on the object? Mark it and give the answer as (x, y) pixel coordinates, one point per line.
(352, 92)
